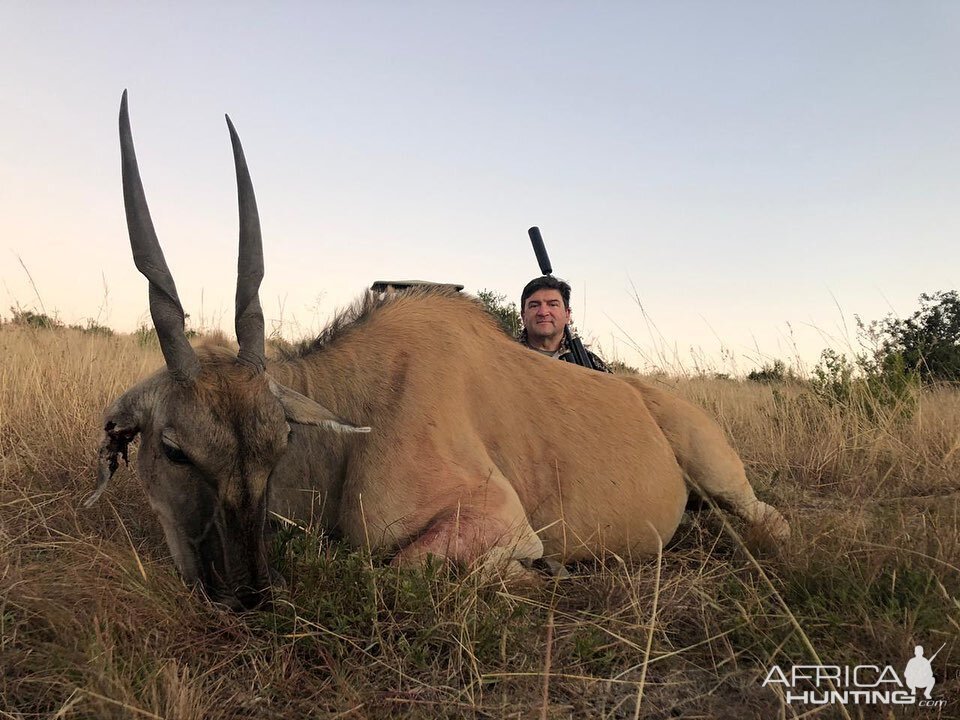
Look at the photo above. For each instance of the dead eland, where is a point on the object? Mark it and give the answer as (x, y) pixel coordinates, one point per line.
(483, 463)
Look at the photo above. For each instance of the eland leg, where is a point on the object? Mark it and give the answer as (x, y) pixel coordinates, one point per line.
(711, 466)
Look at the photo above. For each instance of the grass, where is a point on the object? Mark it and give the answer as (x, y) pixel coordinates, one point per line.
(94, 622)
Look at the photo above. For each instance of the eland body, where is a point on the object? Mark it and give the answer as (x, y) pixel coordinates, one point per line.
(483, 463)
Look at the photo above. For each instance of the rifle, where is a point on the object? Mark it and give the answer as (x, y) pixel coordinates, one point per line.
(578, 353)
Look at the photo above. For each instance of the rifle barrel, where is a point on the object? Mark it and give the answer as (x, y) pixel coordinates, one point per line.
(540, 250)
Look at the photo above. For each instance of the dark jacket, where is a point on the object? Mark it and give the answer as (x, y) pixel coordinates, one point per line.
(566, 354)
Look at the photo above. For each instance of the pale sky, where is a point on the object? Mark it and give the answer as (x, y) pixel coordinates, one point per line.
(756, 172)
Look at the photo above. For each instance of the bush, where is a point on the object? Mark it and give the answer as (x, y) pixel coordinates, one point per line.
(146, 335)
(619, 367)
(94, 328)
(777, 372)
(833, 377)
(865, 383)
(925, 345)
(508, 315)
(29, 318)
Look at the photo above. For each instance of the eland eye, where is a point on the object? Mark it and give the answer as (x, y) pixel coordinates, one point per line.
(175, 454)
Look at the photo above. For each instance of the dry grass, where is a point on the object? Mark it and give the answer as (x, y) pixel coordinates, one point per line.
(95, 624)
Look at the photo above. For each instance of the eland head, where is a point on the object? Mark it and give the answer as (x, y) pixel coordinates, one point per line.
(213, 425)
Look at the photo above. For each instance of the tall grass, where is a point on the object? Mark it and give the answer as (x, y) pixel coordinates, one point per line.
(94, 622)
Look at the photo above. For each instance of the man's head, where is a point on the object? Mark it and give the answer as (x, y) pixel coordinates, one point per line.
(545, 309)
(546, 282)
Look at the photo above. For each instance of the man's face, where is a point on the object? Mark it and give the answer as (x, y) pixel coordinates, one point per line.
(544, 317)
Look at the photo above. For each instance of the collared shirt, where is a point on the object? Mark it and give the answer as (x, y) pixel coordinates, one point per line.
(564, 353)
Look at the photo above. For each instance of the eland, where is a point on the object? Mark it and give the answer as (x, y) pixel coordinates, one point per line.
(397, 437)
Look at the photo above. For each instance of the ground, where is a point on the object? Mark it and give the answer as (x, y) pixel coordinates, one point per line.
(94, 622)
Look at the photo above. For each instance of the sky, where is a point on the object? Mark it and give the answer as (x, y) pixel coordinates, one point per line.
(721, 183)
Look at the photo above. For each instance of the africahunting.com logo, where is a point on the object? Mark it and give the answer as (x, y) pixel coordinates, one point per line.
(859, 684)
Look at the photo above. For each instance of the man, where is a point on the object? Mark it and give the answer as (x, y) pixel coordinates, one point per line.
(545, 311)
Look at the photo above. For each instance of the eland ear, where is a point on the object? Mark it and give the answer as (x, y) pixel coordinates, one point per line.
(304, 411)
(121, 425)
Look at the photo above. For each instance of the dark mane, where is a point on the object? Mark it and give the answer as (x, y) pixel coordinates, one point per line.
(359, 312)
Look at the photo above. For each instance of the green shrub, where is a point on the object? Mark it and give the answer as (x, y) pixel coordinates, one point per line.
(146, 336)
(29, 318)
(925, 345)
(777, 372)
(507, 314)
(619, 367)
(93, 327)
(866, 383)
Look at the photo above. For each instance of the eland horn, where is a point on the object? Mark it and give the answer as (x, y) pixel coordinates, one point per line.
(165, 307)
(249, 315)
